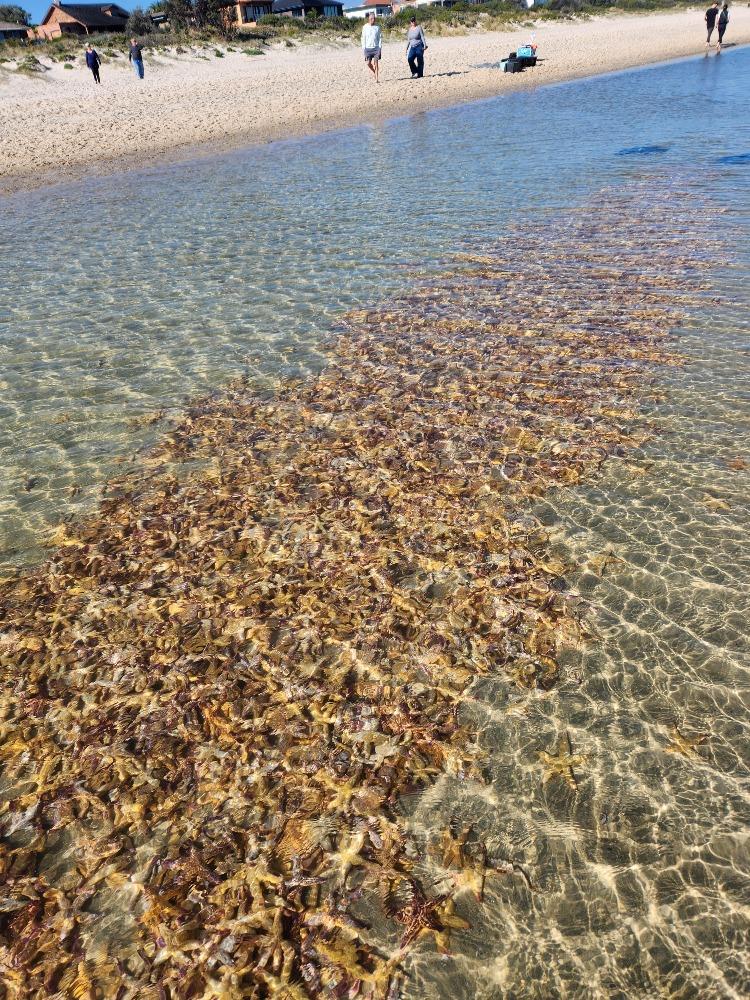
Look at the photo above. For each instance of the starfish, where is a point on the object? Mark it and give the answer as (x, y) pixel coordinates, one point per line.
(348, 855)
(599, 564)
(422, 916)
(561, 763)
(715, 503)
(685, 745)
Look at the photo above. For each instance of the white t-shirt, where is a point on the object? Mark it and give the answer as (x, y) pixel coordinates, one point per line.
(371, 36)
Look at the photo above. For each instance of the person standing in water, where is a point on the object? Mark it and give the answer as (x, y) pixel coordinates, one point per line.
(723, 22)
(416, 44)
(93, 62)
(135, 55)
(371, 46)
(710, 18)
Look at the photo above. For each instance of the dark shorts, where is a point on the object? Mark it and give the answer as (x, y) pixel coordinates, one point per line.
(372, 55)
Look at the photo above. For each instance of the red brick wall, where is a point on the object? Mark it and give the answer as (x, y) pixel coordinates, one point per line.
(59, 22)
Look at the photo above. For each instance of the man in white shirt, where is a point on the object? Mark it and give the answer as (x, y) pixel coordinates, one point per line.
(371, 45)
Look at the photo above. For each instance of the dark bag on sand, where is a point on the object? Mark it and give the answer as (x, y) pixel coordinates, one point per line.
(513, 66)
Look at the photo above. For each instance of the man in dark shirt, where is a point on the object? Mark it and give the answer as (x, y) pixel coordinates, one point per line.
(135, 55)
(711, 14)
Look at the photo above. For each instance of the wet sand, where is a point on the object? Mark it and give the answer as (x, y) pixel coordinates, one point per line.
(61, 125)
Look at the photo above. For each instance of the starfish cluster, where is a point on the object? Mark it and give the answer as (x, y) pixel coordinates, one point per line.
(217, 689)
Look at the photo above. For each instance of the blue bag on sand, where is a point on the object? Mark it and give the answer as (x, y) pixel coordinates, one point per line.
(525, 52)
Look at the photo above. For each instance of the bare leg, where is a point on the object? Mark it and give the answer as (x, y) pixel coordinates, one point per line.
(372, 69)
(376, 71)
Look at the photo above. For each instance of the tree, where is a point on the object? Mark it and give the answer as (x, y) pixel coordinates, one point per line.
(13, 14)
(139, 23)
(201, 12)
(218, 14)
(179, 13)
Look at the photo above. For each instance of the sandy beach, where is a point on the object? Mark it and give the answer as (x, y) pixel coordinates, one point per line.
(58, 124)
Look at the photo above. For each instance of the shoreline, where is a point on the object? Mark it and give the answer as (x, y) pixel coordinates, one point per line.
(64, 129)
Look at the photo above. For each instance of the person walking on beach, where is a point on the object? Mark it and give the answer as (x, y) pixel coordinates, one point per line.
(93, 62)
(416, 45)
(710, 18)
(371, 46)
(135, 55)
(723, 22)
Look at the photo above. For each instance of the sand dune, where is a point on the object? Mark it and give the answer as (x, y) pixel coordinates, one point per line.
(59, 124)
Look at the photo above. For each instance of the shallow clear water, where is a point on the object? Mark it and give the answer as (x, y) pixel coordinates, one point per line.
(124, 295)
(127, 294)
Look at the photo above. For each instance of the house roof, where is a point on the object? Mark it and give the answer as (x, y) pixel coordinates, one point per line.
(92, 14)
(10, 26)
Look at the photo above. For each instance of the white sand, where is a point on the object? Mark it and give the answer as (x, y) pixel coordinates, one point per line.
(60, 124)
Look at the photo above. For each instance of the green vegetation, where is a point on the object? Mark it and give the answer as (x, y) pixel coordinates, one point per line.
(139, 24)
(14, 14)
(182, 34)
(30, 64)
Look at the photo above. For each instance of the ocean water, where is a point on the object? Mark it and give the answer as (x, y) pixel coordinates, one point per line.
(126, 295)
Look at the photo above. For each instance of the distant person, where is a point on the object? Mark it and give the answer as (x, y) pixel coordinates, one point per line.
(710, 18)
(93, 62)
(371, 46)
(723, 22)
(135, 55)
(416, 45)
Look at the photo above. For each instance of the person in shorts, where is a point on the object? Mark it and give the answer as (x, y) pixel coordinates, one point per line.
(371, 46)
(710, 18)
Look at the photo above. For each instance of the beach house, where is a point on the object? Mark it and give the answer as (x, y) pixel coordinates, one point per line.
(10, 32)
(371, 7)
(303, 8)
(254, 10)
(81, 19)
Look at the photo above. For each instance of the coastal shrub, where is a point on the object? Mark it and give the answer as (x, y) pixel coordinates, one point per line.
(68, 66)
(138, 23)
(275, 21)
(179, 13)
(218, 53)
(254, 52)
(30, 64)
